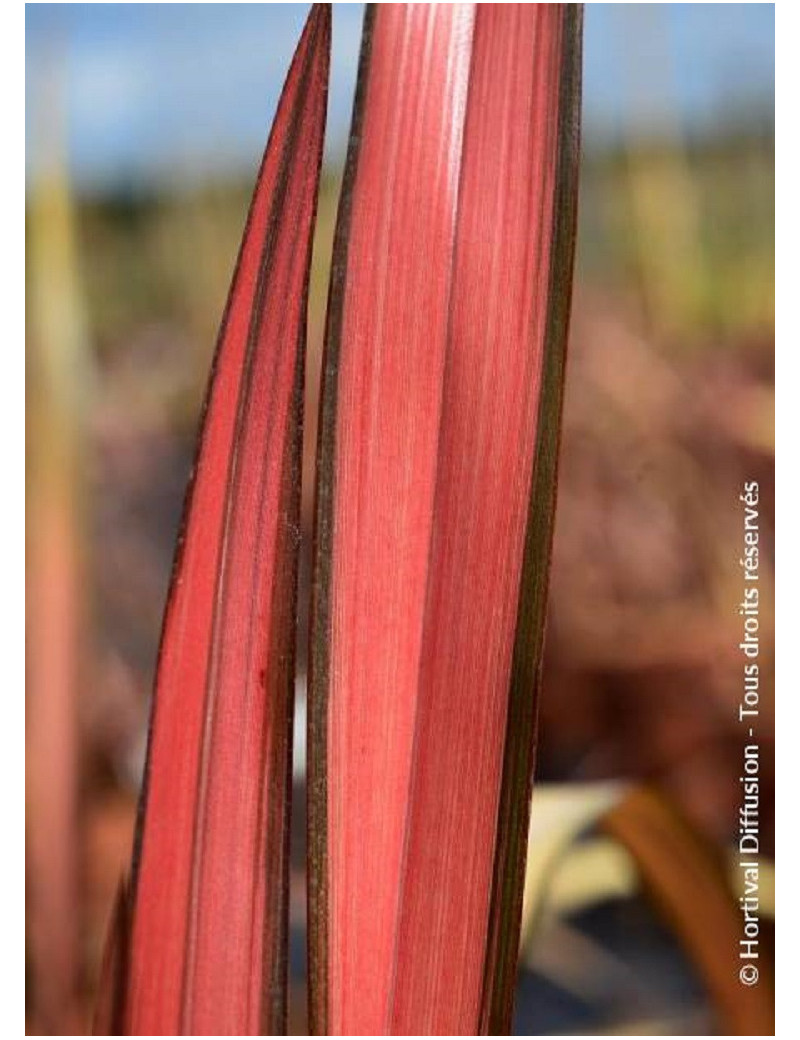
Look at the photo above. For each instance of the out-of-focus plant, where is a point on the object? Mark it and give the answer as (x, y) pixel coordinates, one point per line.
(58, 384)
(642, 839)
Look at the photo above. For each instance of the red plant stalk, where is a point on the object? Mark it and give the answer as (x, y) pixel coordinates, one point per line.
(207, 949)
(440, 414)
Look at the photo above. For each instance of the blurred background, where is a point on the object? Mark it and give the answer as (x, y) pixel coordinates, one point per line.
(144, 129)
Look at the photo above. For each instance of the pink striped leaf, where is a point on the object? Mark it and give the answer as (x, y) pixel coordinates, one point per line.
(207, 947)
(440, 415)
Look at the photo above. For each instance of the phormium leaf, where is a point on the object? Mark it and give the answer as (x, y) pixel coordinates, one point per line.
(688, 884)
(209, 889)
(440, 413)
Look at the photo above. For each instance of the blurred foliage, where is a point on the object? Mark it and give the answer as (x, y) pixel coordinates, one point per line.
(165, 259)
(58, 392)
(685, 233)
(689, 229)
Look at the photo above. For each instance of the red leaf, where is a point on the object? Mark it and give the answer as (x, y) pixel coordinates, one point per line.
(436, 477)
(210, 881)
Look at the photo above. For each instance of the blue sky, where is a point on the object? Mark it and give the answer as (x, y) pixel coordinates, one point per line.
(150, 89)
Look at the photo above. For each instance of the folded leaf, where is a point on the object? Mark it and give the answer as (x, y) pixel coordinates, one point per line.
(209, 887)
(439, 425)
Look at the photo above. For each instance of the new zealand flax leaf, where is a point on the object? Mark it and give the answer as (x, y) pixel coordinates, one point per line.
(440, 414)
(208, 912)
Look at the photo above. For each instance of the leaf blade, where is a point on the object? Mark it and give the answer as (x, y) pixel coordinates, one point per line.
(210, 863)
(423, 510)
